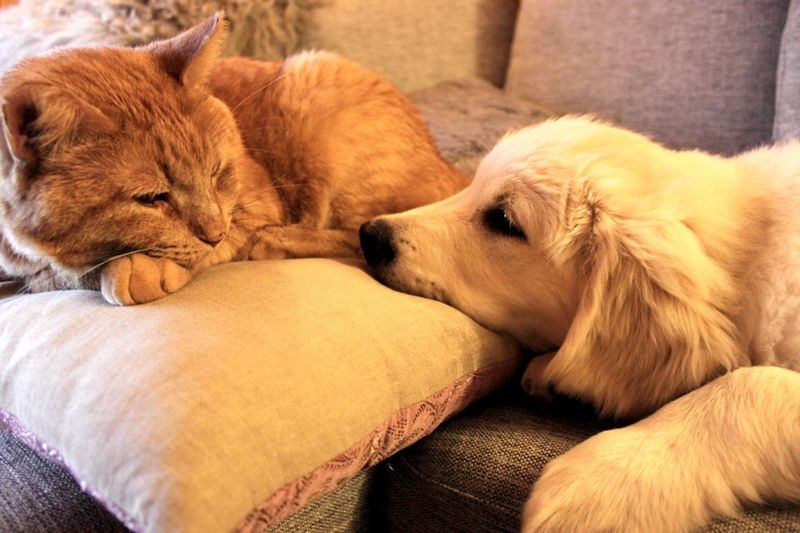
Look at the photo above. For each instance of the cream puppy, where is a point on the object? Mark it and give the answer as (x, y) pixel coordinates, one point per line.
(659, 284)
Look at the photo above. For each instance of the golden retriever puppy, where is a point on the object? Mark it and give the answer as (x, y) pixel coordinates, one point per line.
(659, 284)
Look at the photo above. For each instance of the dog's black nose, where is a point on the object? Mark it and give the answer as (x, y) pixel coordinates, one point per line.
(376, 243)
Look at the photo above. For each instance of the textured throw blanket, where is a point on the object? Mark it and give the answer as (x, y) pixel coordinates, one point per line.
(265, 29)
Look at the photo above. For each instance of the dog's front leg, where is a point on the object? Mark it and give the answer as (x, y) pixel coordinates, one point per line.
(534, 381)
(734, 440)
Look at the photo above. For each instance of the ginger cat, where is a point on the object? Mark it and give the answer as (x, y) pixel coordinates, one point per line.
(130, 170)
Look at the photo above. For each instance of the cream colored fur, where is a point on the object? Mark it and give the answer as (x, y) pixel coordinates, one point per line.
(661, 282)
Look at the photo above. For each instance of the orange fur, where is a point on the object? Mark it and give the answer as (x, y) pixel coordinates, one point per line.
(193, 160)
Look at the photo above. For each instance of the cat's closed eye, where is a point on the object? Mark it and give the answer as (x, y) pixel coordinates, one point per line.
(152, 199)
(222, 177)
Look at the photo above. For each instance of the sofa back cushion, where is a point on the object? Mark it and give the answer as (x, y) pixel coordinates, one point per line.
(787, 105)
(419, 44)
(689, 73)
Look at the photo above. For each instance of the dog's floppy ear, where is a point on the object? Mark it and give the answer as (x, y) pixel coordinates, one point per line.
(649, 324)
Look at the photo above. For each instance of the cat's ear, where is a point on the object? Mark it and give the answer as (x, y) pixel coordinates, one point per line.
(189, 57)
(19, 117)
(38, 118)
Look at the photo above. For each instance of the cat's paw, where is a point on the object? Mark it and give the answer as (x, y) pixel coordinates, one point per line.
(138, 279)
(533, 381)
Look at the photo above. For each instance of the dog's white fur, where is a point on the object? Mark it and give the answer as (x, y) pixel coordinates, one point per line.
(658, 278)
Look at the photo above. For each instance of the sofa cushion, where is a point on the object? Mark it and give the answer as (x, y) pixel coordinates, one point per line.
(40, 496)
(417, 44)
(476, 471)
(241, 397)
(787, 105)
(691, 74)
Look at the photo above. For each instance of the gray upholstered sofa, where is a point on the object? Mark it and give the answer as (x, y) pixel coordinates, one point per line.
(722, 75)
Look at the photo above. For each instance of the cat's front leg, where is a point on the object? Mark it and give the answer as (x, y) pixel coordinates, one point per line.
(139, 278)
(296, 241)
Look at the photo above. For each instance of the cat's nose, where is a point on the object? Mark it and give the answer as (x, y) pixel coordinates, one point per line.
(376, 243)
(209, 227)
(212, 239)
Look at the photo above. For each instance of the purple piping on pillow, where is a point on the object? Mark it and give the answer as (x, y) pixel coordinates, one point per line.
(16, 428)
(405, 427)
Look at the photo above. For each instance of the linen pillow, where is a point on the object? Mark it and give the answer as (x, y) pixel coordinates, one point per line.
(236, 400)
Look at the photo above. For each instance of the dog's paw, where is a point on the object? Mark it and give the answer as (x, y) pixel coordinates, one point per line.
(138, 279)
(614, 481)
(533, 381)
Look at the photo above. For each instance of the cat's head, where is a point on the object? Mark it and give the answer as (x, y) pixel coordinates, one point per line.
(110, 150)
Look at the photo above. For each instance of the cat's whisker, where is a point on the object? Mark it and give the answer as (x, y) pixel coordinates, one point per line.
(282, 186)
(263, 201)
(118, 256)
(41, 75)
(261, 121)
(261, 150)
(254, 219)
(60, 86)
(264, 88)
(263, 127)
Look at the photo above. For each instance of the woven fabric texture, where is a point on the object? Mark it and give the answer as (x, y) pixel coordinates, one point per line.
(692, 74)
(476, 471)
(355, 506)
(468, 117)
(40, 496)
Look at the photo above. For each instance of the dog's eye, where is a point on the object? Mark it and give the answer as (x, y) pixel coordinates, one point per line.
(498, 221)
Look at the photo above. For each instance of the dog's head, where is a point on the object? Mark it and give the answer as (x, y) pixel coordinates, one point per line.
(576, 235)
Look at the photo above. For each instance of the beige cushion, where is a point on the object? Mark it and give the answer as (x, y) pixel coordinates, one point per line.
(418, 44)
(230, 403)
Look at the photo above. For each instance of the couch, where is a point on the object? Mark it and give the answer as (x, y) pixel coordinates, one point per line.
(720, 75)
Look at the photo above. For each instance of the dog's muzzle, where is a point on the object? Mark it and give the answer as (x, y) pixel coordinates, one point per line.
(376, 243)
